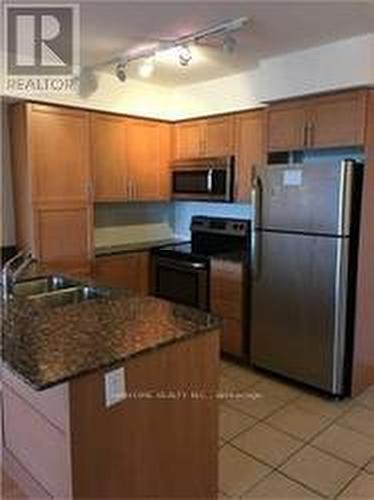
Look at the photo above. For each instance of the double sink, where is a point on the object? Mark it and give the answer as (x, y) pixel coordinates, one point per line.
(55, 291)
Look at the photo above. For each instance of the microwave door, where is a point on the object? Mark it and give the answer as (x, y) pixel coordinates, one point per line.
(203, 184)
(191, 183)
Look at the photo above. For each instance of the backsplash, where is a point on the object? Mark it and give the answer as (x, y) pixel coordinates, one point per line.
(183, 211)
(118, 223)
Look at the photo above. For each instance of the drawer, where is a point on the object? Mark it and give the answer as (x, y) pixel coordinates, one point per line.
(44, 452)
(52, 403)
(232, 339)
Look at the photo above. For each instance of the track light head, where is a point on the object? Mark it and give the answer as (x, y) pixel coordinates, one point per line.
(185, 55)
(229, 44)
(121, 72)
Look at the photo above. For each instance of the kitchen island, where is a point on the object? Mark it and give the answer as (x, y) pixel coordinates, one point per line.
(110, 397)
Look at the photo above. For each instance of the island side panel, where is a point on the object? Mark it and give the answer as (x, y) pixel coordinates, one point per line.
(36, 435)
(164, 448)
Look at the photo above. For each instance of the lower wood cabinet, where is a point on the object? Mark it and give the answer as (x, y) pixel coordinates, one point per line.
(129, 270)
(227, 299)
(63, 236)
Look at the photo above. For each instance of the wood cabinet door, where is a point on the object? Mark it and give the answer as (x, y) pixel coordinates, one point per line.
(148, 151)
(129, 271)
(338, 120)
(64, 236)
(108, 157)
(59, 139)
(218, 136)
(250, 151)
(227, 287)
(286, 126)
(188, 139)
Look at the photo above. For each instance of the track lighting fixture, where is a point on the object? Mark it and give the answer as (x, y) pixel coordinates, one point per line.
(185, 55)
(121, 72)
(221, 31)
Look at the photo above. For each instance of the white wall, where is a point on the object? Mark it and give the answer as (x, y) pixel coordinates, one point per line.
(133, 97)
(343, 64)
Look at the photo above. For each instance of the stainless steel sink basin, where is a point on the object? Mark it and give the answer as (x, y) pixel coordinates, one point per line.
(67, 296)
(42, 285)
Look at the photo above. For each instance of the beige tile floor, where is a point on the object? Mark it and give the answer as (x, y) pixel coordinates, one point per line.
(278, 441)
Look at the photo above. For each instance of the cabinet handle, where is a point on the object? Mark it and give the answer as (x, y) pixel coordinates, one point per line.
(305, 135)
(311, 134)
(89, 190)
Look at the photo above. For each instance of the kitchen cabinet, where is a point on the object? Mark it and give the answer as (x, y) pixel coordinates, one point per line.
(52, 183)
(250, 151)
(65, 442)
(108, 157)
(58, 148)
(287, 127)
(218, 136)
(204, 138)
(129, 270)
(148, 156)
(338, 120)
(188, 139)
(227, 299)
(334, 120)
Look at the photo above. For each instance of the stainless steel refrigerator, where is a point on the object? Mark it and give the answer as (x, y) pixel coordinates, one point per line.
(304, 246)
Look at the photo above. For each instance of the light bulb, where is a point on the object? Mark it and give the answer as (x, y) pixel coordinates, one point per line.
(146, 68)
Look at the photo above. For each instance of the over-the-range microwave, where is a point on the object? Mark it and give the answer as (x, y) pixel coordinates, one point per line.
(203, 179)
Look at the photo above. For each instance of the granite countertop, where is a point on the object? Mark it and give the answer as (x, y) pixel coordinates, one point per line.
(48, 345)
(102, 251)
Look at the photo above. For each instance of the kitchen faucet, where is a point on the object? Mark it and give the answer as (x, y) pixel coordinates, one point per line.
(10, 275)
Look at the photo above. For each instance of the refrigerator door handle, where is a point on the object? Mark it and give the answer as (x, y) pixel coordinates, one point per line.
(256, 224)
(345, 197)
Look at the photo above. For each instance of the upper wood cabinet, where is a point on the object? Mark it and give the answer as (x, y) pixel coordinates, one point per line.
(204, 138)
(148, 154)
(335, 120)
(287, 127)
(188, 139)
(250, 151)
(59, 154)
(108, 157)
(338, 120)
(51, 176)
(218, 136)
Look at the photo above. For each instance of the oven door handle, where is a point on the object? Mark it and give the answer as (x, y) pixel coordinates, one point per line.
(183, 265)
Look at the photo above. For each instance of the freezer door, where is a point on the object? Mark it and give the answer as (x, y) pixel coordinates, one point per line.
(298, 316)
(308, 198)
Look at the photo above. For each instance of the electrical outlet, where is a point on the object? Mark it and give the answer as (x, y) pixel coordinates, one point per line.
(115, 387)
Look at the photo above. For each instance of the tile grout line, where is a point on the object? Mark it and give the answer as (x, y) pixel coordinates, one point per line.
(304, 443)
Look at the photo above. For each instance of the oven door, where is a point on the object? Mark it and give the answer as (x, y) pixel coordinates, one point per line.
(181, 281)
(213, 184)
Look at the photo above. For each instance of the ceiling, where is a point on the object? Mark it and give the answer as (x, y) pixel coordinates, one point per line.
(276, 27)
